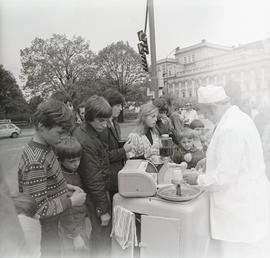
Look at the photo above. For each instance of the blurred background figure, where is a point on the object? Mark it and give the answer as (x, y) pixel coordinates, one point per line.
(80, 113)
(264, 129)
(164, 125)
(26, 208)
(176, 120)
(12, 242)
(189, 114)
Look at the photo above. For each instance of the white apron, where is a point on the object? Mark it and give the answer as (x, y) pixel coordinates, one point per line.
(235, 178)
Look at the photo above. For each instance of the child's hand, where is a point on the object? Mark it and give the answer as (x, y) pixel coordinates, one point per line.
(74, 188)
(78, 242)
(184, 165)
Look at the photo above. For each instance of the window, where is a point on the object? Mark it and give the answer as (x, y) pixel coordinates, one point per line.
(183, 93)
(185, 60)
(11, 126)
(2, 127)
(193, 58)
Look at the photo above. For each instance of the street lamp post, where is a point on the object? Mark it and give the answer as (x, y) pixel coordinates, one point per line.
(154, 79)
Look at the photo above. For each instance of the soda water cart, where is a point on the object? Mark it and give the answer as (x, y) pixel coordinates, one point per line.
(172, 220)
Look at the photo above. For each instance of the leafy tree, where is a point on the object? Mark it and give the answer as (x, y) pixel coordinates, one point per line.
(34, 102)
(55, 64)
(11, 97)
(119, 66)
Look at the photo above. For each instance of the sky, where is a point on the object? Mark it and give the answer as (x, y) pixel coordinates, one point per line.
(101, 22)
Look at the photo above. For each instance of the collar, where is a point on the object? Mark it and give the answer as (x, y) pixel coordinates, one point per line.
(225, 115)
(40, 145)
(87, 127)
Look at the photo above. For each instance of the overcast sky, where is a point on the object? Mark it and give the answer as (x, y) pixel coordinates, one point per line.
(101, 22)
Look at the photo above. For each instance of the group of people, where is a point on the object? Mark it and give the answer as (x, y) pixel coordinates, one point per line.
(67, 174)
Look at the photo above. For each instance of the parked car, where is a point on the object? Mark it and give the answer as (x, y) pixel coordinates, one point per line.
(9, 130)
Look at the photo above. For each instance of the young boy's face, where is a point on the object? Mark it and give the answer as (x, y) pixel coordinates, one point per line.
(99, 124)
(53, 135)
(198, 131)
(186, 143)
(71, 164)
(116, 109)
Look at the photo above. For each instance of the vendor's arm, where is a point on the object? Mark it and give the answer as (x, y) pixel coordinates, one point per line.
(229, 153)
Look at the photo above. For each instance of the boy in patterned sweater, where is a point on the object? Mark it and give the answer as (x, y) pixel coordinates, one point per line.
(40, 174)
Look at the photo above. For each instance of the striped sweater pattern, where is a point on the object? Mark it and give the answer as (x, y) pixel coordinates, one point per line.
(40, 175)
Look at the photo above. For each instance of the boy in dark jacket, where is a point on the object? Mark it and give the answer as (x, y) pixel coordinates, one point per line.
(111, 136)
(94, 172)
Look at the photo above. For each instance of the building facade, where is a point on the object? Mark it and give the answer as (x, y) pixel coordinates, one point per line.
(245, 68)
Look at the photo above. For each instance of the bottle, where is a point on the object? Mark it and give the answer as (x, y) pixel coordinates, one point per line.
(166, 149)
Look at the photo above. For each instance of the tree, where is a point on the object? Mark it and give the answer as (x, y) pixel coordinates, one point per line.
(34, 102)
(119, 66)
(55, 64)
(11, 97)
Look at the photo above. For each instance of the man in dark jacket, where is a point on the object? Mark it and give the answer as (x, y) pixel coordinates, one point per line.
(95, 174)
(111, 136)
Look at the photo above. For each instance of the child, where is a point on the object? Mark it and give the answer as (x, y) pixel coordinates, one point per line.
(25, 206)
(197, 126)
(202, 135)
(40, 174)
(186, 151)
(73, 221)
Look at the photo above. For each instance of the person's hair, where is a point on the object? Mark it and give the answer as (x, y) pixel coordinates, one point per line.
(145, 110)
(97, 107)
(53, 113)
(68, 148)
(82, 105)
(186, 133)
(24, 204)
(114, 97)
(61, 96)
(196, 124)
(161, 104)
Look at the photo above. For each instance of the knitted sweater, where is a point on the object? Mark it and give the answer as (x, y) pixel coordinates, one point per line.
(41, 176)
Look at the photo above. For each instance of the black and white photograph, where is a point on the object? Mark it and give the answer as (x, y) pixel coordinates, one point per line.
(134, 129)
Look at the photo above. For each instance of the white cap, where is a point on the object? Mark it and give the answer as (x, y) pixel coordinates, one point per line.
(211, 94)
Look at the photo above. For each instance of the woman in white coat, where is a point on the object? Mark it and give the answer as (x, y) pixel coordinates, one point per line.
(235, 178)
